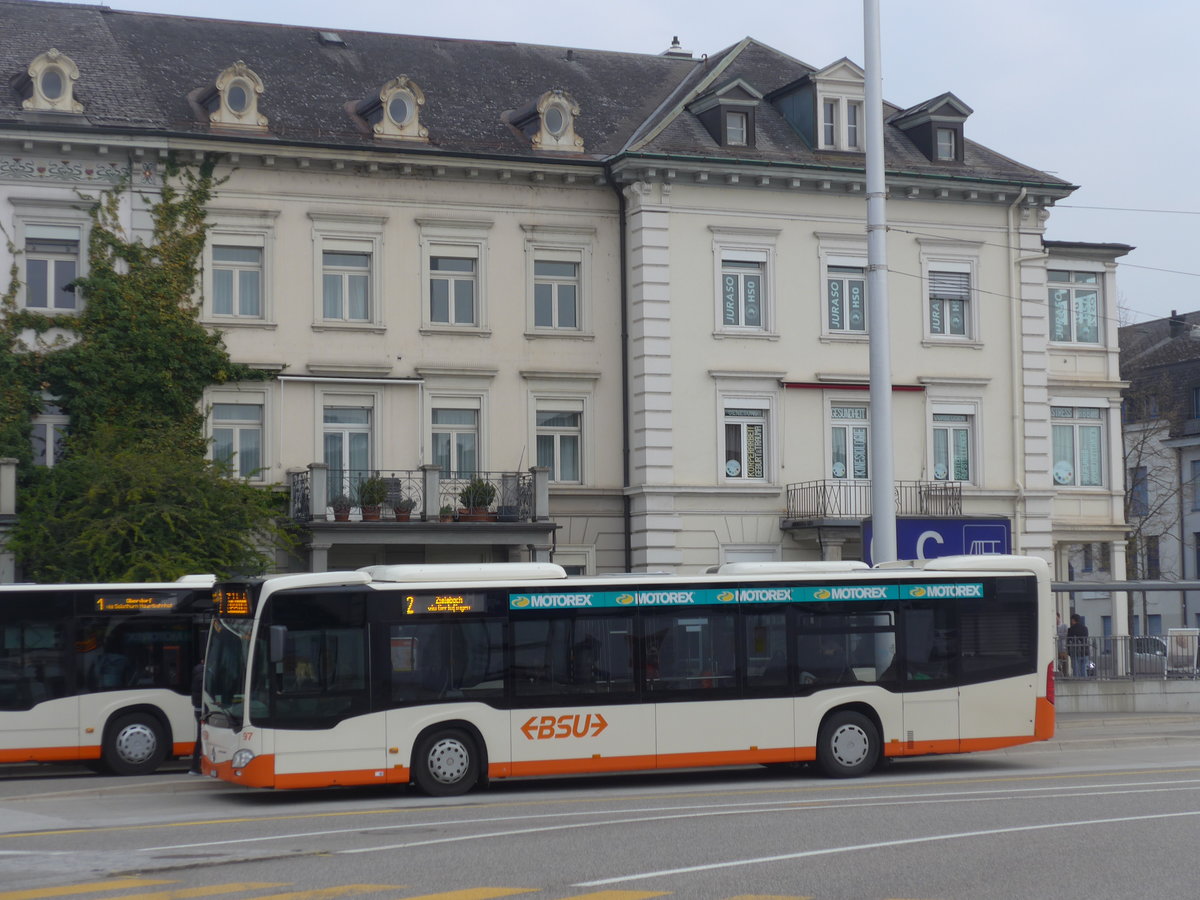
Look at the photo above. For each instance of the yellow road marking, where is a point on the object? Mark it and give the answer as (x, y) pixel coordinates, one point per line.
(117, 884)
(205, 891)
(340, 890)
(620, 895)
(482, 893)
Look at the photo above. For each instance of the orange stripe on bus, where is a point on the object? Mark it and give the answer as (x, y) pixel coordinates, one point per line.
(48, 754)
(1043, 723)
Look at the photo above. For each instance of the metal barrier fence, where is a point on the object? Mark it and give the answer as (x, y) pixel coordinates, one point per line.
(1129, 657)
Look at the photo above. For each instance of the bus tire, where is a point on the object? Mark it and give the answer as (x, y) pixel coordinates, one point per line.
(847, 745)
(134, 744)
(446, 763)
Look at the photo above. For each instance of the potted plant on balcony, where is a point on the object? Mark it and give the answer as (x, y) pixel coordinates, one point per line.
(341, 505)
(476, 499)
(446, 513)
(403, 508)
(372, 491)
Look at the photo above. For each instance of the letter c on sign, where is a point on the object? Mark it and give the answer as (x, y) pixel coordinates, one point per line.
(927, 536)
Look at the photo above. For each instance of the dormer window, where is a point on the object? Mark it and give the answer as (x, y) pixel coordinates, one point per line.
(936, 127)
(736, 129)
(392, 114)
(50, 84)
(727, 113)
(947, 144)
(549, 122)
(840, 123)
(232, 100)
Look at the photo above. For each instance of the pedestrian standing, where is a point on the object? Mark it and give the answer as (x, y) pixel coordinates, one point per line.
(1078, 647)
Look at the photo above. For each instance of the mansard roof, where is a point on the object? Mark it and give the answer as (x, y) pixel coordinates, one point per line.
(137, 71)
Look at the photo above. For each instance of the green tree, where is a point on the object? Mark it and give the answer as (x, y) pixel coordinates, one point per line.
(134, 497)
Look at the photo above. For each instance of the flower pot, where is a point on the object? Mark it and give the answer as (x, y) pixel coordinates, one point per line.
(476, 514)
(341, 515)
(402, 515)
(371, 513)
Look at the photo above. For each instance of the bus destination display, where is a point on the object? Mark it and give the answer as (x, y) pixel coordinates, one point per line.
(134, 602)
(449, 603)
(232, 601)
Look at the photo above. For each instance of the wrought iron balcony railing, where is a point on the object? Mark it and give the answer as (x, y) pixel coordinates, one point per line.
(835, 498)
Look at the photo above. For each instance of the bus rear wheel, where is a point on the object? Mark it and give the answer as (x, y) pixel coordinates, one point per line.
(446, 763)
(847, 745)
(134, 744)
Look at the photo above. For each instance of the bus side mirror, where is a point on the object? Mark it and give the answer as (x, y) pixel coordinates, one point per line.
(278, 641)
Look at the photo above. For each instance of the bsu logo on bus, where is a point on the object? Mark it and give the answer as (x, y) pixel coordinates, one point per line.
(546, 728)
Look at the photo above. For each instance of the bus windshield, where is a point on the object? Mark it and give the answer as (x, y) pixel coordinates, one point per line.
(225, 668)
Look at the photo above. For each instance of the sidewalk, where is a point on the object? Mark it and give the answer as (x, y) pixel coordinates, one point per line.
(1101, 731)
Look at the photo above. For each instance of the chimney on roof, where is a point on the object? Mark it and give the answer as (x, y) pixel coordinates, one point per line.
(676, 50)
(1175, 324)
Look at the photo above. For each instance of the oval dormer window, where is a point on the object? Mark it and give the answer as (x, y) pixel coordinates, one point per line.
(555, 120)
(52, 83)
(237, 97)
(399, 109)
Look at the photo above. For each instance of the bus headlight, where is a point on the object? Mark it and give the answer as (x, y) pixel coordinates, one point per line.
(242, 758)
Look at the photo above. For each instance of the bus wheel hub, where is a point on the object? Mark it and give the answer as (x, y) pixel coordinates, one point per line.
(448, 761)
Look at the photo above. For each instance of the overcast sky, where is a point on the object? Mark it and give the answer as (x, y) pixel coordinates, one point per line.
(1099, 93)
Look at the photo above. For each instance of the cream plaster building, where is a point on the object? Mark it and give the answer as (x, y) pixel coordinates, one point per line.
(626, 291)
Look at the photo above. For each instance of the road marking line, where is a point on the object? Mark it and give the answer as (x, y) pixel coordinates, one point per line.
(482, 893)
(204, 891)
(118, 884)
(693, 810)
(340, 890)
(804, 854)
(622, 895)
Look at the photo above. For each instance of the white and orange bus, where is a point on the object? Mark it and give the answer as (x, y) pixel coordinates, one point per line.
(447, 676)
(100, 673)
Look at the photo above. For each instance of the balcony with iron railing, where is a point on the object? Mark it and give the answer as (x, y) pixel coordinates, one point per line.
(321, 493)
(834, 499)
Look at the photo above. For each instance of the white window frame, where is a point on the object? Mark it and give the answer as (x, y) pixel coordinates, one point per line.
(1084, 415)
(365, 399)
(259, 398)
(57, 427)
(741, 119)
(240, 228)
(836, 421)
(957, 258)
(567, 244)
(767, 465)
(561, 404)
(28, 215)
(939, 153)
(845, 134)
(750, 246)
(970, 412)
(1071, 288)
(847, 251)
(579, 556)
(460, 239)
(574, 391)
(475, 402)
(337, 233)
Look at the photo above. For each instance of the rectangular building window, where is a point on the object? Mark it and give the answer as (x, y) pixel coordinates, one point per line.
(48, 435)
(456, 441)
(1194, 485)
(949, 303)
(850, 448)
(51, 266)
(1077, 437)
(829, 123)
(346, 280)
(741, 292)
(846, 297)
(556, 294)
(347, 447)
(452, 290)
(952, 446)
(1139, 492)
(237, 281)
(947, 144)
(560, 442)
(853, 112)
(745, 442)
(237, 430)
(1075, 306)
(735, 129)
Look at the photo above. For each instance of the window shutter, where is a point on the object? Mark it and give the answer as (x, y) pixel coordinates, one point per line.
(950, 285)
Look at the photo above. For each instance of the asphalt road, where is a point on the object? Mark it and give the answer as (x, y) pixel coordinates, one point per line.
(1109, 808)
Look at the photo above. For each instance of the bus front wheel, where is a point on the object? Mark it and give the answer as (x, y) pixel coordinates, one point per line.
(134, 745)
(446, 763)
(847, 745)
